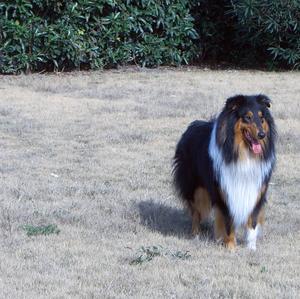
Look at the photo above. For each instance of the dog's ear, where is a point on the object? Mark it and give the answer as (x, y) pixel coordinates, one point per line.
(264, 100)
(234, 102)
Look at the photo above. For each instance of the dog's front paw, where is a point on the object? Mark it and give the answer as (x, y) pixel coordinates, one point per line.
(251, 236)
(230, 244)
(252, 245)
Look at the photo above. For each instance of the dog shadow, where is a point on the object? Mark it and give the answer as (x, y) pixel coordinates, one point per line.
(170, 221)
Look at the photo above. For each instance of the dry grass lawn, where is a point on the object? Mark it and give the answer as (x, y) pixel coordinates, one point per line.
(92, 153)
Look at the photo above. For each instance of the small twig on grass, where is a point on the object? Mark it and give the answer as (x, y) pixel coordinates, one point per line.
(6, 222)
(147, 254)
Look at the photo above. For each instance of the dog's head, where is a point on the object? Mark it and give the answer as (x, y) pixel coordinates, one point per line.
(253, 116)
(246, 124)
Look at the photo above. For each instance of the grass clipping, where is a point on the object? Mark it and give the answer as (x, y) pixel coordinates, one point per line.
(147, 254)
(32, 230)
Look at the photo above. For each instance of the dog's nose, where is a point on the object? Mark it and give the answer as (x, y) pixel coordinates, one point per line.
(261, 135)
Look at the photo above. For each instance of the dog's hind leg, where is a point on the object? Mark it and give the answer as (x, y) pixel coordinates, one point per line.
(200, 208)
(195, 222)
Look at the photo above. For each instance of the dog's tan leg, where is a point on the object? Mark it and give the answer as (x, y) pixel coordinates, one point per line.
(201, 208)
(195, 223)
(230, 241)
(202, 202)
(261, 217)
(221, 232)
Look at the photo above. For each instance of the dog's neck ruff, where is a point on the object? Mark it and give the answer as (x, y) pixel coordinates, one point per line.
(240, 181)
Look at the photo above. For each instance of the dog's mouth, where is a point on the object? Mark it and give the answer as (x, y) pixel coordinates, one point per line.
(253, 143)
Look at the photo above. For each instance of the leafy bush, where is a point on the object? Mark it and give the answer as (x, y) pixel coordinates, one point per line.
(215, 28)
(249, 32)
(269, 28)
(61, 35)
(48, 34)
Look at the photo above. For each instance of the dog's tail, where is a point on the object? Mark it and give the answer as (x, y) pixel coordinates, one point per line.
(182, 173)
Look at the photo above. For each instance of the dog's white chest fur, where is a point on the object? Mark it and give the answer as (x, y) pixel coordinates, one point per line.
(240, 181)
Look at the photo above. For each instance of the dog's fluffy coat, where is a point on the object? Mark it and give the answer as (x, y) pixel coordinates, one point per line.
(226, 163)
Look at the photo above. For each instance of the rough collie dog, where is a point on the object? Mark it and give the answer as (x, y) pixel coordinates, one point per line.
(226, 164)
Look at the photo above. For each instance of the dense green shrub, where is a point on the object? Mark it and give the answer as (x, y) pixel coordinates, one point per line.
(251, 33)
(60, 35)
(214, 27)
(48, 34)
(267, 29)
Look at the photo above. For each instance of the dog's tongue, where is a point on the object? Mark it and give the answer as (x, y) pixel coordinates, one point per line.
(256, 148)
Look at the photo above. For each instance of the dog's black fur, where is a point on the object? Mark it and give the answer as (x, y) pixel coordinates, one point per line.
(193, 165)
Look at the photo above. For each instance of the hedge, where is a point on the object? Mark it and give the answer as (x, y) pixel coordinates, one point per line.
(268, 29)
(249, 33)
(52, 35)
(59, 35)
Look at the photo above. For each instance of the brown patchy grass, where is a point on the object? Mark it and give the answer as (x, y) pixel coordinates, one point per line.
(91, 153)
